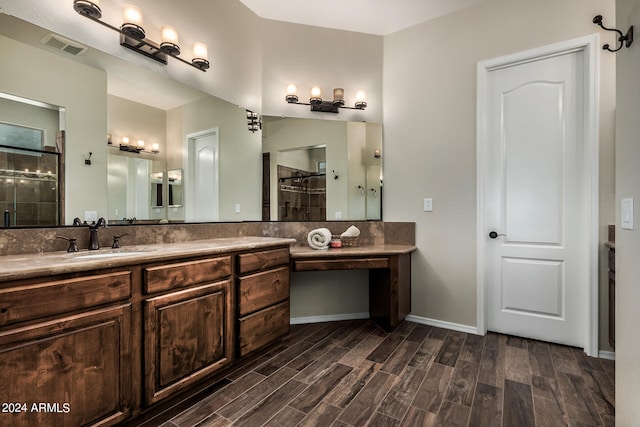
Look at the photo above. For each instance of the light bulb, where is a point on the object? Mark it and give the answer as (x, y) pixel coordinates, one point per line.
(200, 51)
(316, 92)
(133, 22)
(169, 37)
(200, 56)
(133, 15)
(292, 93)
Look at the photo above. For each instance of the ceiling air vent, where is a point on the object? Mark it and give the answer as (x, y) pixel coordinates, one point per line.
(60, 43)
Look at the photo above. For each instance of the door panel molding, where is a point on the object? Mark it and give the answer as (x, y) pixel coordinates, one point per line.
(589, 46)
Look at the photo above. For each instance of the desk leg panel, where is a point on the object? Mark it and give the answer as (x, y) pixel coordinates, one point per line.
(390, 292)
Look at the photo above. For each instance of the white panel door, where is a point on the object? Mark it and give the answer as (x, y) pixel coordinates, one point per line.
(536, 272)
(202, 173)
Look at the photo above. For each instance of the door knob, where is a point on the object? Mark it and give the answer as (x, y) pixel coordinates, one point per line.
(493, 234)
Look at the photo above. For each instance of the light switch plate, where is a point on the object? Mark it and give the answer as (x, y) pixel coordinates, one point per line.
(237, 208)
(626, 214)
(428, 205)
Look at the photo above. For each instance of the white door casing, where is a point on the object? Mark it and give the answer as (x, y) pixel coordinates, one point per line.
(202, 176)
(537, 184)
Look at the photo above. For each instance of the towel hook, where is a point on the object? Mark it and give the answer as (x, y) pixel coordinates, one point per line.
(624, 39)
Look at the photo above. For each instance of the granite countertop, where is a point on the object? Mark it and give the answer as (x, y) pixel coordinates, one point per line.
(14, 267)
(368, 250)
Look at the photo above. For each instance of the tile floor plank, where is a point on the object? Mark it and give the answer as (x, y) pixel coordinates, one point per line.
(352, 373)
(366, 402)
(518, 404)
(487, 406)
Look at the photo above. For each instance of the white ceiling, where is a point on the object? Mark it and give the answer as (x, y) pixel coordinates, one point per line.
(380, 17)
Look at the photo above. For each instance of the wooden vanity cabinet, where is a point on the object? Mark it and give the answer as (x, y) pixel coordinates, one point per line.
(263, 298)
(188, 333)
(65, 350)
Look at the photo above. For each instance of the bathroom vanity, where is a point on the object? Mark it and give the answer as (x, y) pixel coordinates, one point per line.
(116, 335)
(100, 337)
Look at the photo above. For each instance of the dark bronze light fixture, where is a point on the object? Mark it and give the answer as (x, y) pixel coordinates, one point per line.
(318, 104)
(253, 121)
(132, 35)
(624, 39)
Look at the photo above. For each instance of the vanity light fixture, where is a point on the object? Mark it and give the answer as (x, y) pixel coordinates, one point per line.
(133, 36)
(138, 148)
(318, 104)
(253, 121)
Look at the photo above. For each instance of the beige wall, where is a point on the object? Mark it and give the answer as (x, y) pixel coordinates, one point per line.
(628, 241)
(430, 135)
(82, 91)
(312, 56)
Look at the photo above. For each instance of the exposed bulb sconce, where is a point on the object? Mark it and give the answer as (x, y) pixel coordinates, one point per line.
(138, 147)
(132, 35)
(318, 104)
(624, 39)
(253, 121)
(377, 153)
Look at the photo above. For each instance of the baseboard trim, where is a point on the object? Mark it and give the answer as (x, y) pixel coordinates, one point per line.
(327, 318)
(442, 324)
(610, 355)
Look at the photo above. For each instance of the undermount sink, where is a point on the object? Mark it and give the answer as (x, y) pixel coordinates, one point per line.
(107, 254)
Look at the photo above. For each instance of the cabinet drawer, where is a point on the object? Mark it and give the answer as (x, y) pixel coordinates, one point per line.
(261, 260)
(263, 327)
(49, 298)
(261, 290)
(178, 275)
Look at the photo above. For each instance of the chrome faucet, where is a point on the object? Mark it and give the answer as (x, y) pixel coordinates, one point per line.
(93, 230)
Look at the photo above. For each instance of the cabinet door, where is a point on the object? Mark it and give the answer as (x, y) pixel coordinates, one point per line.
(188, 336)
(73, 371)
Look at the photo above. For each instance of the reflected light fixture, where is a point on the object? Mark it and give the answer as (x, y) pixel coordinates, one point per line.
(253, 121)
(133, 36)
(318, 104)
(138, 147)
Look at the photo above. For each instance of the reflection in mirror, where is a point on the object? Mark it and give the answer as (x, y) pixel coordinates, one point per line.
(157, 190)
(174, 180)
(322, 170)
(302, 184)
(134, 192)
(30, 162)
(175, 112)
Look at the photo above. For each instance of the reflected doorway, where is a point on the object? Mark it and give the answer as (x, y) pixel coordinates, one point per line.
(302, 192)
(202, 176)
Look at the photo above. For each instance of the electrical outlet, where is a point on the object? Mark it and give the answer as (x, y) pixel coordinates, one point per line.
(428, 205)
(338, 215)
(237, 208)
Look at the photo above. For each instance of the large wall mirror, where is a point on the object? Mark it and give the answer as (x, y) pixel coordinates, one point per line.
(314, 169)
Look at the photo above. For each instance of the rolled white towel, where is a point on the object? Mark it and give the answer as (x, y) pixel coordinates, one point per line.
(320, 238)
(352, 231)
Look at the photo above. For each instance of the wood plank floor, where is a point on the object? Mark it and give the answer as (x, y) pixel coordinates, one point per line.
(352, 373)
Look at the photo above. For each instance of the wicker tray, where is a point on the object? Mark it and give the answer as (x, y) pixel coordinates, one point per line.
(349, 241)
